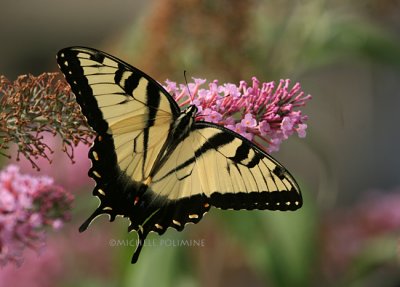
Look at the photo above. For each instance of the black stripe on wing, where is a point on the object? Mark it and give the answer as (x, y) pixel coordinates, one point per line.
(256, 200)
(73, 72)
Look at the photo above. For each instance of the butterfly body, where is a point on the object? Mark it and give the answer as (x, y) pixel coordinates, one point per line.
(180, 129)
(157, 165)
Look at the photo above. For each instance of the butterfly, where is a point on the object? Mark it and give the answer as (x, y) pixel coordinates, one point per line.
(154, 163)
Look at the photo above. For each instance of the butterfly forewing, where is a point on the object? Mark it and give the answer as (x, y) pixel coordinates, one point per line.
(120, 100)
(106, 85)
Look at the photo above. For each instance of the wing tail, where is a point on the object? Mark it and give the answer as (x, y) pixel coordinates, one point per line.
(142, 237)
(88, 221)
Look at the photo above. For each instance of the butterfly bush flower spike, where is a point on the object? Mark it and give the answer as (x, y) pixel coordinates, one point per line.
(31, 107)
(264, 113)
(27, 205)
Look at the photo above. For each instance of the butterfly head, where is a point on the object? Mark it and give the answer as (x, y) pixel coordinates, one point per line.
(184, 122)
(190, 111)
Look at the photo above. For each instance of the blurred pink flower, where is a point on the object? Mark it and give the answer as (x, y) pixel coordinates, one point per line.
(27, 205)
(70, 174)
(41, 270)
(262, 112)
(62, 253)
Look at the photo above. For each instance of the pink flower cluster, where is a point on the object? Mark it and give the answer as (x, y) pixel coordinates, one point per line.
(28, 205)
(261, 112)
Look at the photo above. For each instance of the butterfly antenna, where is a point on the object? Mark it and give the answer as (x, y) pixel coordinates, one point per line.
(187, 86)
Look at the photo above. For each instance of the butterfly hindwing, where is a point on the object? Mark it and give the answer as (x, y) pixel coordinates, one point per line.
(146, 170)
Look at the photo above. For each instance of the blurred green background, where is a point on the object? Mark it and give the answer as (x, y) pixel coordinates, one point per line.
(345, 53)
